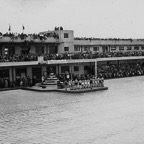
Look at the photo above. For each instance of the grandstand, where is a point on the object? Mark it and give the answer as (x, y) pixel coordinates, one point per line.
(63, 53)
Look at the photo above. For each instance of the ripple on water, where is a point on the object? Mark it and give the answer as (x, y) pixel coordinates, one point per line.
(112, 116)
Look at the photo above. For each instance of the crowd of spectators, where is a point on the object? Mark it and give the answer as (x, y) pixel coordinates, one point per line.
(79, 84)
(29, 37)
(121, 70)
(5, 83)
(106, 71)
(18, 58)
(87, 55)
(108, 39)
(21, 81)
(63, 77)
(58, 28)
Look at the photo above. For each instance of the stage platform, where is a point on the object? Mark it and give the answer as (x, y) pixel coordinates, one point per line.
(53, 88)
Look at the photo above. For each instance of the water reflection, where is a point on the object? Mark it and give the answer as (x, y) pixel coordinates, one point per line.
(112, 116)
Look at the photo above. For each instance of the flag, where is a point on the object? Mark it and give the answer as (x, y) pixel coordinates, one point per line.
(9, 28)
(23, 27)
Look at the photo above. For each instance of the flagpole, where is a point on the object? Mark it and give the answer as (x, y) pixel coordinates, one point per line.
(23, 28)
(9, 29)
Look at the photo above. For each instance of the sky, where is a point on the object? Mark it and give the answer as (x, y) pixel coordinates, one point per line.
(88, 18)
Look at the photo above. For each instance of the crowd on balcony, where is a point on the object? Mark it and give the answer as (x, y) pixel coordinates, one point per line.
(105, 39)
(121, 70)
(18, 58)
(108, 39)
(29, 37)
(87, 55)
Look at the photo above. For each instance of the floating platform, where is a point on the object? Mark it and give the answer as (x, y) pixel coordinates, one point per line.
(54, 89)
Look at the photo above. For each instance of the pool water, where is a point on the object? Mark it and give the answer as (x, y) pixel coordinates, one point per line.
(113, 116)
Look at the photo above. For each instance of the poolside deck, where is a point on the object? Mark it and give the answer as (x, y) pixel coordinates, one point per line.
(53, 88)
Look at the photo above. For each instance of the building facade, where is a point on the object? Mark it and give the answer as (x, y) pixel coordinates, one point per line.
(19, 53)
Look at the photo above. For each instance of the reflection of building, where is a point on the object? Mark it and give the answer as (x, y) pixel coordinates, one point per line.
(64, 43)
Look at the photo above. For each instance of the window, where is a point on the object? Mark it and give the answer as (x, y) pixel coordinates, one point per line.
(9, 50)
(142, 47)
(121, 48)
(86, 68)
(129, 48)
(113, 48)
(6, 51)
(105, 48)
(53, 49)
(64, 69)
(76, 68)
(25, 49)
(76, 48)
(66, 48)
(39, 50)
(95, 48)
(65, 35)
(136, 48)
(87, 48)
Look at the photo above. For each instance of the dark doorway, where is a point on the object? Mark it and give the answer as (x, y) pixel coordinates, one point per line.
(21, 72)
(4, 73)
(51, 69)
(36, 73)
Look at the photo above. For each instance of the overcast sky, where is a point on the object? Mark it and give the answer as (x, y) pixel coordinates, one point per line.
(88, 18)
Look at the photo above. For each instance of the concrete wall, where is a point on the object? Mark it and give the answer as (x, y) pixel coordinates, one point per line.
(61, 35)
(68, 44)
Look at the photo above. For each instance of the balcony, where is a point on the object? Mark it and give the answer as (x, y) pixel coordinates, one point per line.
(25, 63)
(8, 39)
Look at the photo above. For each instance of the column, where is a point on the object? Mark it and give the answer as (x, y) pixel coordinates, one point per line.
(71, 68)
(45, 49)
(29, 72)
(3, 49)
(44, 71)
(14, 73)
(10, 74)
(96, 69)
(57, 69)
